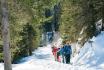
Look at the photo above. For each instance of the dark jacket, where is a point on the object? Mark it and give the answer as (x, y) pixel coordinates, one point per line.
(61, 51)
(67, 49)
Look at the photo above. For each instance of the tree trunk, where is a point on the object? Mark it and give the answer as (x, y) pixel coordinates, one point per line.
(103, 17)
(6, 36)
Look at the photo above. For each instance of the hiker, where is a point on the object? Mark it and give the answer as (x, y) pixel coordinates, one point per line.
(67, 52)
(61, 52)
(58, 55)
(54, 51)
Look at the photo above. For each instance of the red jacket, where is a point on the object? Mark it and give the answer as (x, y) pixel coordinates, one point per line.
(55, 49)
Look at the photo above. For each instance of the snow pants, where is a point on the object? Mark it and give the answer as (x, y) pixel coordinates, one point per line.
(67, 58)
(55, 55)
(58, 57)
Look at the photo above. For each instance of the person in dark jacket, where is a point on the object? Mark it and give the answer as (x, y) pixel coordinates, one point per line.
(67, 52)
(61, 52)
(58, 55)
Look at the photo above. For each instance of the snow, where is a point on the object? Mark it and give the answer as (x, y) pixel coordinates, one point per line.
(92, 55)
(90, 58)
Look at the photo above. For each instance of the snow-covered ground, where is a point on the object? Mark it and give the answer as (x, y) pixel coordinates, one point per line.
(42, 59)
(92, 56)
(89, 58)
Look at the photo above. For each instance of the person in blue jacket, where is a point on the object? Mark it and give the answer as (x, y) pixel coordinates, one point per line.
(67, 52)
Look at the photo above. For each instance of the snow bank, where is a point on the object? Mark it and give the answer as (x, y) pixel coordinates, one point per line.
(92, 55)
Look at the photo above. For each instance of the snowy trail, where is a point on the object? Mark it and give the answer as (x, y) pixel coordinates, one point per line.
(89, 58)
(41, 59)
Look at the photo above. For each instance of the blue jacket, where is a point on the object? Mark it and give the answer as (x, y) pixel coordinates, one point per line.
(67, 49)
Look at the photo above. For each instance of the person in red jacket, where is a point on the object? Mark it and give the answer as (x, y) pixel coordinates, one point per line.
(54, 51)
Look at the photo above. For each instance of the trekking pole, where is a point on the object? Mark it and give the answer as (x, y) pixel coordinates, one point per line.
(91, 42)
